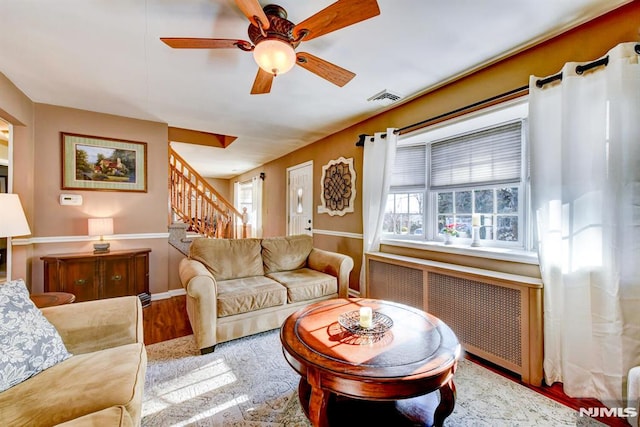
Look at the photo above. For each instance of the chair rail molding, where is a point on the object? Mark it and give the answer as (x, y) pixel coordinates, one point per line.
(67, 239)
(338, 233)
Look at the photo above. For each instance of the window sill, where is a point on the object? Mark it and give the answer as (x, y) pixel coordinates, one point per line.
(502, 254)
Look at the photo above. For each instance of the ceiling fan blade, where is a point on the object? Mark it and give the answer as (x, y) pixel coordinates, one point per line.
(196, 43)
(262, 83)
(328, 71)
(336, 16)
(252, 9)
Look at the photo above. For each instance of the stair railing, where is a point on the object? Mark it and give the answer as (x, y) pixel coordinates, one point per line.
(196, 203)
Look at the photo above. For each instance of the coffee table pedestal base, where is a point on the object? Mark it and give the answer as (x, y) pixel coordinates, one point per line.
(324, 408)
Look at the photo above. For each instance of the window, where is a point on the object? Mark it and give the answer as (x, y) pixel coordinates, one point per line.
(245, 196)
(405, 213)
(405, 206)
(497, 210)
(468, 173)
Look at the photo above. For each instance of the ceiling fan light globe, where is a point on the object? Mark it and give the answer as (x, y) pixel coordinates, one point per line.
(274, 56)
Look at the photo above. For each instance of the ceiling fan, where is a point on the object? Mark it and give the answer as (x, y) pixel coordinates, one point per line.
(274, 39)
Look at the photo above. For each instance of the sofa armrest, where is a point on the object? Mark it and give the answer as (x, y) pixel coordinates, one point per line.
(96, 325)
(196, 280)
(202, 305)
(335, 264)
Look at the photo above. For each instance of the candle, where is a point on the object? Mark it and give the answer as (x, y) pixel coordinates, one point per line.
(475, 221)
(366, 317)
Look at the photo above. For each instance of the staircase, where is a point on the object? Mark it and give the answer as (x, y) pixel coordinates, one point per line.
(197, 204)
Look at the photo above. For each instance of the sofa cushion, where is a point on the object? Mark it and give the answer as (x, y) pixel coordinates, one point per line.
(81, 385)
(305, 284)
(286, 253)
(228, 258)
(29, 344)
(248, 294)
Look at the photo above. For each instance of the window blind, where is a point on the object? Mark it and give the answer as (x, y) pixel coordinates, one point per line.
(487, 157)
(409, 169)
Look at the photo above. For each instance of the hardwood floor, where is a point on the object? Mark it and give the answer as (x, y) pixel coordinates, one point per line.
(167, 319)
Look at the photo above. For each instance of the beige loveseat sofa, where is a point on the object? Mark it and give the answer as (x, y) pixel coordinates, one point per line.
(101, 384)
(238, 287)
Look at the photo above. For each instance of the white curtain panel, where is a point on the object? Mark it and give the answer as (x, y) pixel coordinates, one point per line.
(256, 202)
(378, 159)
(585, 184)
(236, 204)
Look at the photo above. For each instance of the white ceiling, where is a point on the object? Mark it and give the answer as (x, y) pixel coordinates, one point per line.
(106, 56)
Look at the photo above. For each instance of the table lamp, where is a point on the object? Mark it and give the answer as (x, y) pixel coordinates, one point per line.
(100, 227)
(12, 219)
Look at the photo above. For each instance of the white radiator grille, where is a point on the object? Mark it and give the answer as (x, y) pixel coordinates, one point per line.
(396, 283)
(482, 315)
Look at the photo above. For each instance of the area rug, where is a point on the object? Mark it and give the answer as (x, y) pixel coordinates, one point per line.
(247, 382)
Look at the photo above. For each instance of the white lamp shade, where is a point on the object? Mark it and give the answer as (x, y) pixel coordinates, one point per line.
(100, 226)
(12, 219)
(274, 56)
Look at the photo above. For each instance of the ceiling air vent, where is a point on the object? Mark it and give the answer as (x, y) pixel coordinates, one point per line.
(385, 97)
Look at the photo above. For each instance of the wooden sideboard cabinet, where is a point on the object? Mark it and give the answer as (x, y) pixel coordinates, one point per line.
(92, 276)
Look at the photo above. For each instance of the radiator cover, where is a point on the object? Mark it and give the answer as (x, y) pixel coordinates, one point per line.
(482, 315)
(496, 316)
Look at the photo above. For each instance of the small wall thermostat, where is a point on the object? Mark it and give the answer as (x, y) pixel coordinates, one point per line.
(70, 200)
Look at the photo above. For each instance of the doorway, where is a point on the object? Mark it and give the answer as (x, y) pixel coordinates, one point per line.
(300, 199)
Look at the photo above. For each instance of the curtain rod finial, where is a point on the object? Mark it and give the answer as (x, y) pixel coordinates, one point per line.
(361, 139)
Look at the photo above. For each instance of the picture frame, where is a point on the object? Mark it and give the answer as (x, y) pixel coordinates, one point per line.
(103, 164)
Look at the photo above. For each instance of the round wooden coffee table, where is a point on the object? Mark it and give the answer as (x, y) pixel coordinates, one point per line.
(387, 379)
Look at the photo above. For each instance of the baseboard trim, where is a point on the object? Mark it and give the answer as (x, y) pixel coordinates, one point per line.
(169, 294)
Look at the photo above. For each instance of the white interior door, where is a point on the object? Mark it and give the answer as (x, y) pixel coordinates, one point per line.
(300, 199)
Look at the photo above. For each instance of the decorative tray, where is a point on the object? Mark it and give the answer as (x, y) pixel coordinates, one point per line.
(380, 323)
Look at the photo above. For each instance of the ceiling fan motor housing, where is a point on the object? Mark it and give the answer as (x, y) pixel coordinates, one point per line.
(279, 27)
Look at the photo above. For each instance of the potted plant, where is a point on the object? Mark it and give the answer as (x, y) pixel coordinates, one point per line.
(449, 231)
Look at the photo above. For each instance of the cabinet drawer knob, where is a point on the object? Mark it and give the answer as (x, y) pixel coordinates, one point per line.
(116, 277)
(80, 282)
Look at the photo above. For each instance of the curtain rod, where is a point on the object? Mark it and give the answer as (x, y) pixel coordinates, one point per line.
(515, 93)
(512, 94)
(580, 69)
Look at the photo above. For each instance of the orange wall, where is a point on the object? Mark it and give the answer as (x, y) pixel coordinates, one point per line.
(584, 43)
(132, 212)
(223, 187)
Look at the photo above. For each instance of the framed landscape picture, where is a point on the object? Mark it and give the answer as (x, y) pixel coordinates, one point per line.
(96, 163)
